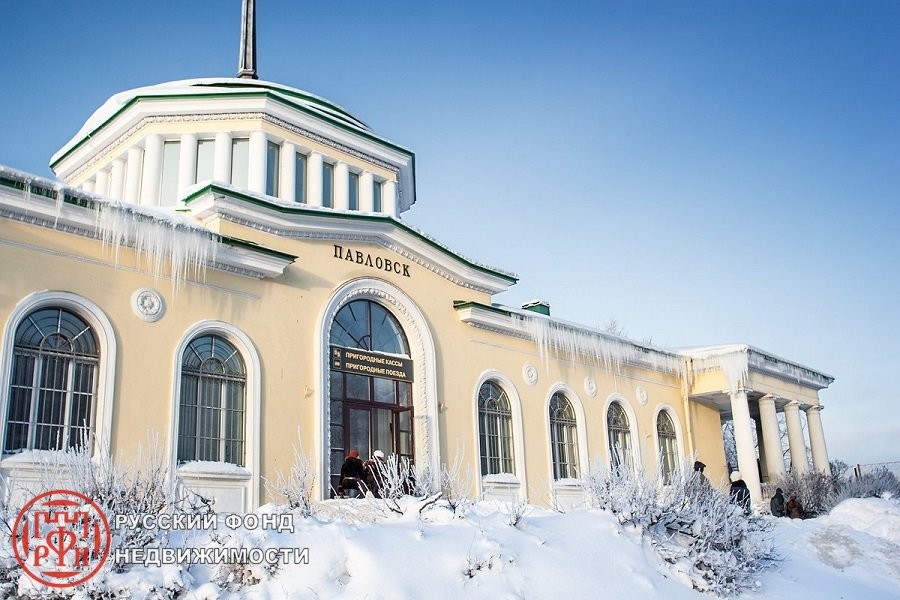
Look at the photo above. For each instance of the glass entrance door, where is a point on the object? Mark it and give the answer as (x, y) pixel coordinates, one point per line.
(369, 412)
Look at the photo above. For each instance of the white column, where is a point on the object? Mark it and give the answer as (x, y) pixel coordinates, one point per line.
(817, 439)
(133, 175)
(153, 149)
(341, 186)
(256, 177)
(101, 183)
(222, 158)
(795, 437)
(771, 439)
(365, 191)
(117, 179)
(88, 185)
(743, 439)
(389, 198)
(314, 179)
(187, 163)
(287, 171)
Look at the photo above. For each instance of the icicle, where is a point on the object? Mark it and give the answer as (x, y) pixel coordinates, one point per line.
(569, 342)
(733, 361)
(157, 237)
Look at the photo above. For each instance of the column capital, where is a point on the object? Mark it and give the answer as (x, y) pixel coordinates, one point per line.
(768, 399)
(815, 408)
(793, 404)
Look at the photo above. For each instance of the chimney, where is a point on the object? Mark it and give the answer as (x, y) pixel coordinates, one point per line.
(539, 306)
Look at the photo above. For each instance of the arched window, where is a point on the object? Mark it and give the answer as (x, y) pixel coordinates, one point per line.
(212, 404)
(619, 436)
(367, 325)
(668, 445)
(563, 440)
(495, 430)
(53, 384)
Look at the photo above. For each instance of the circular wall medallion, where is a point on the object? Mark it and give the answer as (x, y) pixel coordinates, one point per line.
(530, 374)
(641, 394)
(590, 386)
(148, 304)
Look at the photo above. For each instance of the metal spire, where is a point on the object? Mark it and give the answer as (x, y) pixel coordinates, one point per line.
(247, 64)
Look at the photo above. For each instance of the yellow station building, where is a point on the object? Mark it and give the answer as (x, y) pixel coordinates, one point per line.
(224, 263)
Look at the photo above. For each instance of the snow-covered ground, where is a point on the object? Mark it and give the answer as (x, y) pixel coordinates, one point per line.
(357, 550)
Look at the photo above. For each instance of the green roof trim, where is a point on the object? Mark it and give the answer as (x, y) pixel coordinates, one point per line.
(302, 209)
(253, 247)
(268, 94)
(464, 304)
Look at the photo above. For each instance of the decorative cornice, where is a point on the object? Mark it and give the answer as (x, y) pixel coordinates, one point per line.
(113, 146)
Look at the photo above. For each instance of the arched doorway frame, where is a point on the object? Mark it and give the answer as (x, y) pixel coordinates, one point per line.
(421, 347)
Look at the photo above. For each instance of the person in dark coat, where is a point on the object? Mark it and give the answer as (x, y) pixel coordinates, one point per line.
(352, 473)
(776, 504)
(698, 467)
(794, 509)
(739, 493)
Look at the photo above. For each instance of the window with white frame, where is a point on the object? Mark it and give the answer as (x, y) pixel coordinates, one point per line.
(668, 445)
(240, 162)
(53, 384)
(376, 196)
(495, 430)
(327, 185)
(619, 436)
(353, 191)
(205, 160)
(273, 164)
(563, 438)
(300, 178)
(212, 403)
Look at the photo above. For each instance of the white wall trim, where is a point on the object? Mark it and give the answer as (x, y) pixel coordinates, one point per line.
(636, 441)
(251, 417)
(421, 346)
(106, 339)
(679, 438)
(512, 393)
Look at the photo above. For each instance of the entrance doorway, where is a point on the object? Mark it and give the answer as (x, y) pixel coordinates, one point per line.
(371, 404)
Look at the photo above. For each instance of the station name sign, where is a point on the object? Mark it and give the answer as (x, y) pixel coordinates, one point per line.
(361, 362)
(364, 258)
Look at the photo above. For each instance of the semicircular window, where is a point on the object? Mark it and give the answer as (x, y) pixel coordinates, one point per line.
(367, 325)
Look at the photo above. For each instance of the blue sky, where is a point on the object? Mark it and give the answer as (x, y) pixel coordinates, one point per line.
(701, 172)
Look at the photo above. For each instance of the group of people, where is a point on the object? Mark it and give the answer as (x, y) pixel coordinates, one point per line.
(739, 495)
(358, 477)
(779, 508)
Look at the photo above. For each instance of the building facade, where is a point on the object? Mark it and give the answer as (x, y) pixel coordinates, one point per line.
(223, 263)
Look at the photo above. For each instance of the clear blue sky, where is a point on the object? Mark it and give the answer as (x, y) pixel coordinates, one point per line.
(702, 172)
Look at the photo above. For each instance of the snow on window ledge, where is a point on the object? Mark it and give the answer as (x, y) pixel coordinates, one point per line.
(32, 459)
(206, 469)
(501, 478)
(567, 483)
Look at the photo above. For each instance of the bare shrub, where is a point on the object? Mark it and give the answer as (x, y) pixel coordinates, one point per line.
(296, 487)
(456, 484)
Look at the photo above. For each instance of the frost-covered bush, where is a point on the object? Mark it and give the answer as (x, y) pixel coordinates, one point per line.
(456, 484)
(691, 525)
(296, 487)
(813, 490)
(880, 483)
(119, 488)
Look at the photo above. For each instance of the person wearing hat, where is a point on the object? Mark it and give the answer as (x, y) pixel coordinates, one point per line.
(352, 473)
(698, 467)
(373, 470)
(739, 493)
(776, 504)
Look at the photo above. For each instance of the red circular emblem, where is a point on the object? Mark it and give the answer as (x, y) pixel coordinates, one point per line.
(61, 538)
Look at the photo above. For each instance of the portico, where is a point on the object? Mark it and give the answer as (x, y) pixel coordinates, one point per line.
(749, 387)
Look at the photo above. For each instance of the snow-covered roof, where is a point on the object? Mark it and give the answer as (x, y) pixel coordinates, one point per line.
(205, 86)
